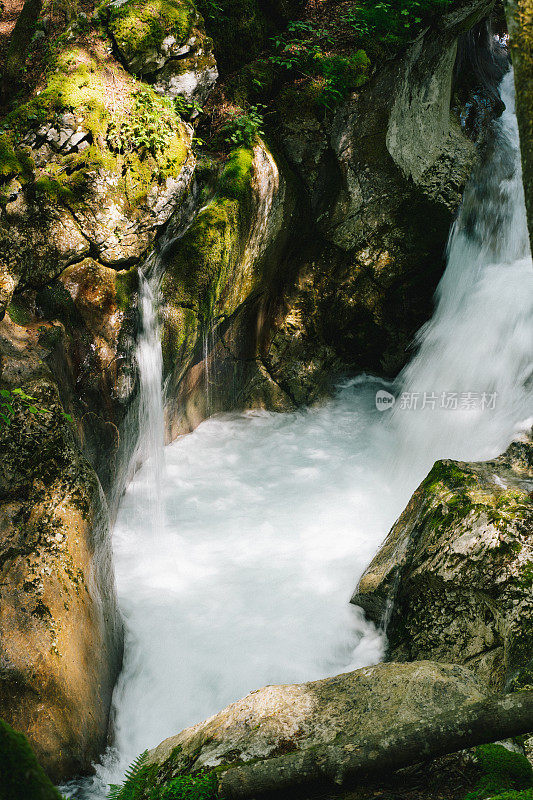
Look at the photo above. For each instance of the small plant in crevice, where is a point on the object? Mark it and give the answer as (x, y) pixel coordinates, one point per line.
(139, 784)
(12, 400)
(244, 126)
(129, 789)
(148, 127)
(186, 108)
(329, 52)
(211, 10)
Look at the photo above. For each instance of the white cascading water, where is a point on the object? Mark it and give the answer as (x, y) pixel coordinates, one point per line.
(149, 451)
(272, 518)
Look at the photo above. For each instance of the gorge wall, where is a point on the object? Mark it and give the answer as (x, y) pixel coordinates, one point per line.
(306, 252)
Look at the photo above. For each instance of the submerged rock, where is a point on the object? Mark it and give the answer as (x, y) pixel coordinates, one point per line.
(455, 574)
(289, 719)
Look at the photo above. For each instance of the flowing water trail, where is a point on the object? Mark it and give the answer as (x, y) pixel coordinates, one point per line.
(150, 446)
(271, 519)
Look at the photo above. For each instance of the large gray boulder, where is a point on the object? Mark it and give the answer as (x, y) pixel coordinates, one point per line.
(285, 719)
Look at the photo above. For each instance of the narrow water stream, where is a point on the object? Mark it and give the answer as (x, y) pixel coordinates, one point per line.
(239, 573)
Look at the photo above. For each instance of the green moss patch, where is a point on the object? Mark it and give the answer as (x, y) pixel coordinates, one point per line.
(141, 25)
(454, 494)
(21, 775)
(18, 312)
(503, 771)
(13, 161)
(126, 284)
(209, 250)
(234, 182)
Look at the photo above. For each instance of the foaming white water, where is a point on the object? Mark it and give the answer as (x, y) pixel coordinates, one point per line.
(271, 519)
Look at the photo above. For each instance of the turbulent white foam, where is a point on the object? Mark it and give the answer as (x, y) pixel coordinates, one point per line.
(270, 519)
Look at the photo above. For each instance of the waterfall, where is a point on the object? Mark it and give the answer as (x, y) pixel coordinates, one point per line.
(272, 518)
(149, 450)
(471, 380)
(208, 345)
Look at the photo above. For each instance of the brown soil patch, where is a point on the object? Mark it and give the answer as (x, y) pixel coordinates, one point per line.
(9, 11)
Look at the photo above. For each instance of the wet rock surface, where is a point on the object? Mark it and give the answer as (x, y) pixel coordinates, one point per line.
(455, 573)
(61, 639)
(300, 261)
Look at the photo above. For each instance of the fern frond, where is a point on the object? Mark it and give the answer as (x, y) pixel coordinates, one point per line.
(127, 789)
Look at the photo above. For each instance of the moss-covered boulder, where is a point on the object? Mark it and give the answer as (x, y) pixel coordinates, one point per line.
(218, 276)
(454, 577)
(21, 775)
(94, 163)
(61, 643)
(164, 41)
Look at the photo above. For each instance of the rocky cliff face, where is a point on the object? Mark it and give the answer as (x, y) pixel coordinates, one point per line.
(360, 251)
(453, 579)
(61, 633)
